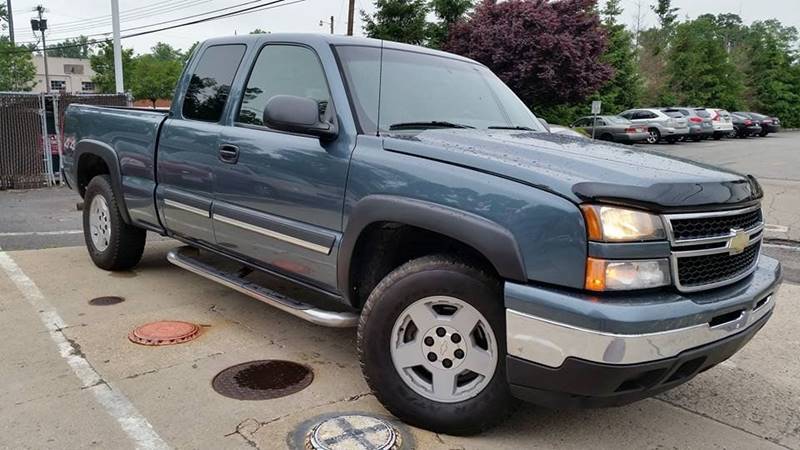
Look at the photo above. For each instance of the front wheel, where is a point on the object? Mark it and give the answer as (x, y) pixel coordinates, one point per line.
(112, 243)
(653, 136)
(431, 341)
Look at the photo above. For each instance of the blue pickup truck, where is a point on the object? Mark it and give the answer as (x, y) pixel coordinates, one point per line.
(409, 193)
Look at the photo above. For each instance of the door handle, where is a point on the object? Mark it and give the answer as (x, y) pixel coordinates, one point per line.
(229, 153)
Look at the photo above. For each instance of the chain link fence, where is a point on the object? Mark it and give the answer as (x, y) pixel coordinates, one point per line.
(31, 135)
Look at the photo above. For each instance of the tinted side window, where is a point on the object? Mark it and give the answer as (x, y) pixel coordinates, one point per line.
(211, 82)
(283, 70)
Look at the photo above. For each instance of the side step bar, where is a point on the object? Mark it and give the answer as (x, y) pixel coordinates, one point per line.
(181, 257)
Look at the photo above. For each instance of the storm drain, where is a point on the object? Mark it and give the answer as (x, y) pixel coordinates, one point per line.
(164, 332)
(106, 301)
(353, 431)
(262, 380)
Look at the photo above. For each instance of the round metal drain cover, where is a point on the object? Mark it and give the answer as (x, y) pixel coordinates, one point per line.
(106, 301)
(262, 380)
(353, 432)
(165, 332)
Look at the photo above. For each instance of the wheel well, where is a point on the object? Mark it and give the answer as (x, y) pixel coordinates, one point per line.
(89, 166)
(384, 246)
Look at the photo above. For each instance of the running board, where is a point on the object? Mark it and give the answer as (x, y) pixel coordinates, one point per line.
(182, 258)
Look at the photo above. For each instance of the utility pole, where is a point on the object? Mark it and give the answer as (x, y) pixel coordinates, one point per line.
(331, 24)
(351, 12)
(41, 25)
(10, 22)
(117, 48)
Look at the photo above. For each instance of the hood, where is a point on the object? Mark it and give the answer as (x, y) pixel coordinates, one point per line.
(583, 170)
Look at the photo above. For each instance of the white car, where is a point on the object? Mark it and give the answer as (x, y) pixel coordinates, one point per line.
(723, 124)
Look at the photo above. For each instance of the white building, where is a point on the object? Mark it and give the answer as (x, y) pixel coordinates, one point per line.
(66, 74)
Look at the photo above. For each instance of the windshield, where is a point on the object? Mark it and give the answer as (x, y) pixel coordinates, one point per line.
(420, 91)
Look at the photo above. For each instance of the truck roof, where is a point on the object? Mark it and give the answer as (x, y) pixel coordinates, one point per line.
(329, 39)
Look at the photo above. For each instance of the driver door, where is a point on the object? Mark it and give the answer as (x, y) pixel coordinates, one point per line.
(279, 201)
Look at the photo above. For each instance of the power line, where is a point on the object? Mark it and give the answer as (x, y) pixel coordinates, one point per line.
(171, 20)
(271, 5)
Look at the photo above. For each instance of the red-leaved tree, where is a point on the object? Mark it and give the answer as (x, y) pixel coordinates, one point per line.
(548, 52)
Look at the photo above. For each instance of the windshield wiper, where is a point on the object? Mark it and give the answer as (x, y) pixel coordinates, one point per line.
(424, 125)
(515, 127)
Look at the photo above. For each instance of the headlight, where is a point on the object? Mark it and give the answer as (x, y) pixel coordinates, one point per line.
(617, 275)
(612, 224)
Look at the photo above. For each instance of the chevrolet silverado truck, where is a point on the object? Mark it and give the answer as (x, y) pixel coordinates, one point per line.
(409, 193)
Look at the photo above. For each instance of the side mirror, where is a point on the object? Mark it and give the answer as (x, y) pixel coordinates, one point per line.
(301, 115)
(544, 122)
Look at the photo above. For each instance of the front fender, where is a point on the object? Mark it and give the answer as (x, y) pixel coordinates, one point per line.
(493, 241)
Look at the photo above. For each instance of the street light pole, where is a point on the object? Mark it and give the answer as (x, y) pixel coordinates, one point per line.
(41, 26)
(118, 80)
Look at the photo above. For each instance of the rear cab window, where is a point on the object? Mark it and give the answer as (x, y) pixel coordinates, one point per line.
(211, 82)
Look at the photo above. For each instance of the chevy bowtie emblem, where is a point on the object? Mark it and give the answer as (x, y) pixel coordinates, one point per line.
(738, 242)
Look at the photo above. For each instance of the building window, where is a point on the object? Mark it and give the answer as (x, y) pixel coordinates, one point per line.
(87, 86)
(76, 69)
(58, 85)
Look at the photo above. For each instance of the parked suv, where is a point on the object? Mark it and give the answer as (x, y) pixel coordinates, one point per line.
(722, 123)
(660, 126)
(481, 257)
(744, 126)
(699, 121)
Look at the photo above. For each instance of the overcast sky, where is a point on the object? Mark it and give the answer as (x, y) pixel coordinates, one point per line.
(69, 18)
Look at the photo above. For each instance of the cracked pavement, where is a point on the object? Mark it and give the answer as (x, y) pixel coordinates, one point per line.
(750, 401)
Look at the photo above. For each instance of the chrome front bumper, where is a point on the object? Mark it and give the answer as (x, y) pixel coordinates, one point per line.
(550, 343)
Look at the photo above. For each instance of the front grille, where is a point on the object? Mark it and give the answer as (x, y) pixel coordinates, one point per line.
(703, 270)
(701, 245)
(706, 227)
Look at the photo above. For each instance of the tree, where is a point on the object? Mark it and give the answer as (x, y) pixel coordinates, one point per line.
(188, 53)
(17, 72)
(72, 48)
(665, 13)
(448, 13)
(155, 78)
(773, 74)
(103, 66)
(165, 52)
(398, 20)
(624, 90)
(699, 69)
(549, 53)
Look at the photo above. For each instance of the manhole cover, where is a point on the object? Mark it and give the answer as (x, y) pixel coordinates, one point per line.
(165, 332)
(262, 380)
(105, 301)
(353, 432)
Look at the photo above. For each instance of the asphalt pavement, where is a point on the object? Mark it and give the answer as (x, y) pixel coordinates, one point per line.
(73, 379)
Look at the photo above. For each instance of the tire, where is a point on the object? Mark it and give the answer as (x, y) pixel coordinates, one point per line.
(653, 136)
(112, 244)
(763, 133)
(386, 322)
(717, 136)
(672, 140)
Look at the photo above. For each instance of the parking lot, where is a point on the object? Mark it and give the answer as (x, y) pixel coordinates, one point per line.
(72, 379)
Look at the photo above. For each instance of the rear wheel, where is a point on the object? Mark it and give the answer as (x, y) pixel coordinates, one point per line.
(112, 244)
(431, 341)
(653, 136)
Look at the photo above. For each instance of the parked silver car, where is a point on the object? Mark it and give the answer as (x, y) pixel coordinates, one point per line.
(612, 128)
(698, 119)
(660, 126)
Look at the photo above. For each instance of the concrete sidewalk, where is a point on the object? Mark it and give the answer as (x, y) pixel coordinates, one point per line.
(748, 402)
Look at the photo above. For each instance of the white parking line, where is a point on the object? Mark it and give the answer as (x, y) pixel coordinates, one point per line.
(776, 228)
(39, 233)
(112, 399)
(783, 246)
